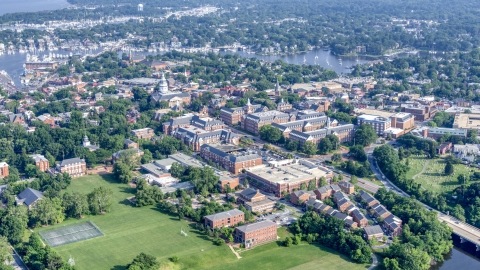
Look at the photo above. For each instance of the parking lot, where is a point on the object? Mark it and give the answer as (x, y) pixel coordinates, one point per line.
(282, 218)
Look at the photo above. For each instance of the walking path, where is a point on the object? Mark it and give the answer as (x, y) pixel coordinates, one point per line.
(234, 252)
(374, 263)
(423, 169)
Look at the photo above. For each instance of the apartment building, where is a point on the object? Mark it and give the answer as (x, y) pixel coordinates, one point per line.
(254, 234)
(224, 219)
(379, 123)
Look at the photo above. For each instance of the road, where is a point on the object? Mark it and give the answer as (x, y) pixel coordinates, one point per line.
(462, 229)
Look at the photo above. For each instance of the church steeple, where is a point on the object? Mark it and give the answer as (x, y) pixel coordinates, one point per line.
(86, 141)
(277, 89)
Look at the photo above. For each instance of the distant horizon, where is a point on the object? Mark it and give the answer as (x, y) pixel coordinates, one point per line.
(13, 6)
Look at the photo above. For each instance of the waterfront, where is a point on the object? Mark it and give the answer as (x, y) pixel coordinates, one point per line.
(11, 6)
(458, 259)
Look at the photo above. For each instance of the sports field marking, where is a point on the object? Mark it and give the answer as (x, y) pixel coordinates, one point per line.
(71, 234)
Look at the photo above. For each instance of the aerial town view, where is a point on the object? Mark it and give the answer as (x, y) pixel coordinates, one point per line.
(254, 134)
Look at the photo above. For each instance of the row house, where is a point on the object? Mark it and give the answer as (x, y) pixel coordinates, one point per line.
(319, 207)
(343, 202)
(233, 162)
(300, 196)
(327, 191)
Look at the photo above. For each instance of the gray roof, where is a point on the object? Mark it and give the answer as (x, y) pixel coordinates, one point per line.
(223, 215)
(359, 215)
(256, 226)
(249, 192)
(244, 156)
(372, 230)
(38, 157)
(366, 196)
(345, 184)
(157, 96)
(29, 196)
(70, 161)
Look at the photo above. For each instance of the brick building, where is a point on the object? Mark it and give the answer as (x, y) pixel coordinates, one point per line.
(402, 121)
(255, 201)
(346, 187)
(300, 196)
(75, 167)
(205, 123)
(359, 218)
(254, 234)
(232, 182)
(288, 177)
(233, 116)
(143, 133)
(327, 191)
(41, 162)
(302, 125)
(233, 161)
(224, 219)
(3, 169)
(420, 112)
(345, 133)
(252, 122)
(379, 123)
(196, 137)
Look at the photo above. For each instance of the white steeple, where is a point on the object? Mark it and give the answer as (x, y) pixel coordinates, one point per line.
(328, 122)
(163, 85)
(248, 102)
(86, 141)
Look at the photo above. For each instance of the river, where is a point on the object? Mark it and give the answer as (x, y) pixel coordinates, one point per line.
(11, 6)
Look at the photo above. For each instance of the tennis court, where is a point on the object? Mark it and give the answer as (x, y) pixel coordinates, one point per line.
(71, 234)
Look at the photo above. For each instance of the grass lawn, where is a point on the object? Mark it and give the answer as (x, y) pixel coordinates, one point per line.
(433, 177)
(129, 230)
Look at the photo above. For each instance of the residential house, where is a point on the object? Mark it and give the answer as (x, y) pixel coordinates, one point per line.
(359, 218)
(373, 232)
(346, 187)
(29, 197)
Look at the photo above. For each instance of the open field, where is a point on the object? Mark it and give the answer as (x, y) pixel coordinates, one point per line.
(129, 230)
(433, 177)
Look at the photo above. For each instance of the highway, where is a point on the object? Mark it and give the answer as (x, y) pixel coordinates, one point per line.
(462, 229)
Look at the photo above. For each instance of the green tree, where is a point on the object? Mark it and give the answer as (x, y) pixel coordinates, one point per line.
(358, 153)
(336, 157)
(449, 169)
(354, 180)
(365, 135)
(270, 133)
(5, 250)
(177, 170)
(100, 200)
(122, 172)
(76, 204)
(309, 148)
(144, 262)
(49, 211)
